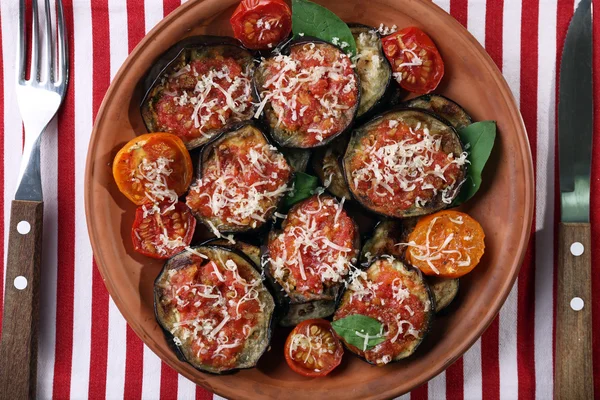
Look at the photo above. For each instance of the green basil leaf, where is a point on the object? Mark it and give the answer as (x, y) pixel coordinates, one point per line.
(312, 19)
(304, 187)
(353, 326)
(478, 139)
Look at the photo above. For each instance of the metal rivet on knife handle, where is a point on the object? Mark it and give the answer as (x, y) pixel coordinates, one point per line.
(577, 249)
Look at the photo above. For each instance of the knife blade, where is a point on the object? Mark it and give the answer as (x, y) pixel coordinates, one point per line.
(573, 375)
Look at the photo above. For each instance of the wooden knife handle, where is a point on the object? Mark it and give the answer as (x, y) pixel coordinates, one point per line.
(573, 376)
(18, 349)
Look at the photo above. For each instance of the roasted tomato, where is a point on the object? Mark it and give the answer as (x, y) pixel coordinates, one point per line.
(261, 24)
(153, 168)
(448, 243)
(417, 64)
(312, 349)
(162, 231)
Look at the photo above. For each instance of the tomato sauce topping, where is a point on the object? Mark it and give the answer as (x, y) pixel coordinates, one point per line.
(316, 248)
(241, 183)
(390, 297)
(203, 96)
(400, 166)
(313, 91)
(218, 306)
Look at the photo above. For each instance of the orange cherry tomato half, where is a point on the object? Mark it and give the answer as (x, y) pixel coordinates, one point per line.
(312, 349)
(261, 24)
(447, 244)
(417, 64)
(162, 231)
(153, 168)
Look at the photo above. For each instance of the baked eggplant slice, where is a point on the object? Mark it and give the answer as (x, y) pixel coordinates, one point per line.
(373, 68)
(444, 291)
(298, 158)
(388, 239)
(308, 260)
(405, 163)
(199, 88)
(309, 94)
(249, 250)
(327, 164)
(214, 309)
(398, 297)
(444, 107)
(241, 180)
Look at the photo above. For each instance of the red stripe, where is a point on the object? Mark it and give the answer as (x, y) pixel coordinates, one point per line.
(459, 9)
(490, 340)
(203, 394)
(564, 13)
(526, 285)
(100, 83)
(419, 393)
(65, 295)
(134, 360)
(135, 22)
(595, 206)
(170, 5)
(134, 366)
(455, 381)
(168, 383)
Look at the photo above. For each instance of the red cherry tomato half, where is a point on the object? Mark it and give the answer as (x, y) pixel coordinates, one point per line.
(162, 231)
(261, 24)
(417, 64)
(312, 349)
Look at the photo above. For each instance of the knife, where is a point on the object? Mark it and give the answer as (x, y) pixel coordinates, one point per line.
(573, 375)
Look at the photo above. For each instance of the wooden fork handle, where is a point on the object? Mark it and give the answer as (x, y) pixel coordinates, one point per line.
(573, 376)
(18, 349)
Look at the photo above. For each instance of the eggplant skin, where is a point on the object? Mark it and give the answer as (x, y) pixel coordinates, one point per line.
(384, 240)
(444, 290)
(288, 138)
(420, 289)
(177, 56)
(444, 107)
(251, 251)
(295, 307)
(297, 158)
(327, 164)
(240, 132)
(450, 144)
(254, 347)
(372, 67)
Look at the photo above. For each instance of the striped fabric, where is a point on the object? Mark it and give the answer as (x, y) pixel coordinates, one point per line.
(86, 349)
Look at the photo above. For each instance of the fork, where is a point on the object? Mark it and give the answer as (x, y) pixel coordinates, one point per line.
(39, 99)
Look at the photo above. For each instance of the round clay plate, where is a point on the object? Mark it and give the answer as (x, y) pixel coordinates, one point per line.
(503, 206)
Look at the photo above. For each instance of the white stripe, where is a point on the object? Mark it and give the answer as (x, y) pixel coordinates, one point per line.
(47, 328)
(151, 376)
(507, 317)
(217, 397)
(186, 389)
(443, 4)
(473, 387)
(153, 13)
(436, 388)
(82, 304)
(545, 190)
(12, 120)
(476, 20)
(117, 327)
(403, 397)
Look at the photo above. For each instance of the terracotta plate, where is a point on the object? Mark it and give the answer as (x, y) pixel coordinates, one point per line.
(504, 207)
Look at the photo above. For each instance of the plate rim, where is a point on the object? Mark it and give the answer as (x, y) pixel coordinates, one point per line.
(490, 312)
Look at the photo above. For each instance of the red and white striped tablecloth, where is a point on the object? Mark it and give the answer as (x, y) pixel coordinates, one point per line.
(86, 349)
